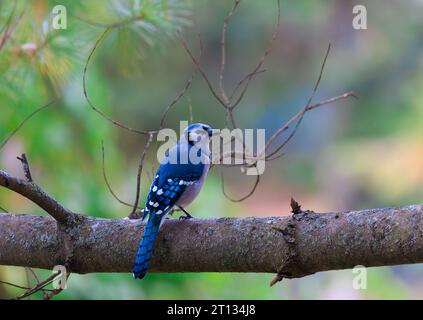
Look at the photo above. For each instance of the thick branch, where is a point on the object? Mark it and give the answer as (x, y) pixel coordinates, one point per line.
(294, 246)
(33, 192)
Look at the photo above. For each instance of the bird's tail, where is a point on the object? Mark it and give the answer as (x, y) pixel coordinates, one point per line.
(147, 242)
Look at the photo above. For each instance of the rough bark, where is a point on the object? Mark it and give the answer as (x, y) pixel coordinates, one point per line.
(293, 246)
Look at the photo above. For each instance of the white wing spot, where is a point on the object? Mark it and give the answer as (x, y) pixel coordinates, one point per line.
(181, 182)
(156, 205)
(160, 192)
(151, 203)
(154, 188)
(169, 180)
(159, 212)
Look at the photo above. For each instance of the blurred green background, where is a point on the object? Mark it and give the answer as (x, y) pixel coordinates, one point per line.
(353, 154)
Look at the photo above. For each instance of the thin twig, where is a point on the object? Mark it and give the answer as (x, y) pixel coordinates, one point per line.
(174, 101)
(249, 194)
(52, 293)
(203, 74)
(106, 180)
(19, 286)
(38, 287)
(33, 274)
(25, 167)
(250, 76)
(140, 167)
(191, 114)
(223, 52)
(23, 122)
(298, 116)
(13, 285)
(27, 271)
(273, 155)
(301, 114)
(91, 104)
(182, 93)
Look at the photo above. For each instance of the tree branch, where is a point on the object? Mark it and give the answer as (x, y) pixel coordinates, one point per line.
(33, 192)
(292, 247)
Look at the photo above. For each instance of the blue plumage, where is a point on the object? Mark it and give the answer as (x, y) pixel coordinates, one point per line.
(174, 184)
(172, 190)
(147, 242)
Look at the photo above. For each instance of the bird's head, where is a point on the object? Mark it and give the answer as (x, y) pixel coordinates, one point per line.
(199, 134)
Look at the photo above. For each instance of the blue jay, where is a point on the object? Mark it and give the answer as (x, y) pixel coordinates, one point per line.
(178, 181)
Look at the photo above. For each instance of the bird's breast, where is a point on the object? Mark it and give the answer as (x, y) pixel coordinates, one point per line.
(193, 190)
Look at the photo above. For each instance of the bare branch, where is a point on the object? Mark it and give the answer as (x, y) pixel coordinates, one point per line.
(25, 166)
(242, 81)
(52, 293)
(33, 274)
(203, 74)
(140, 167)
(13, 285)
(298, 116)
(182, 93)
(249, 194)
(21, 287)
(247, 79)
(223, 50)
(23, 122)
(91, 104)
(106, 180)
(332, 100)
(191, 114)
(40, 286)
(33, 192)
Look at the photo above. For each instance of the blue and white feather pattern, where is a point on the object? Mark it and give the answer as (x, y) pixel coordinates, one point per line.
(174, 184)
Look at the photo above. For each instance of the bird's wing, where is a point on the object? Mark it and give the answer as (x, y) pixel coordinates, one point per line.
(166, 190)
(171, 181)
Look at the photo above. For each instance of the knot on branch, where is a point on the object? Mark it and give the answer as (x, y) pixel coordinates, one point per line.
(69, 234)
(292, 267)
(68, 223)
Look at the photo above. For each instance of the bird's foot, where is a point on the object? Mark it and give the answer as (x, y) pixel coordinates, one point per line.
(137, 215)
(187, 215)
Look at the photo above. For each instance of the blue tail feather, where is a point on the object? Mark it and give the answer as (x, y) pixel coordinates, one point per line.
(147, 243)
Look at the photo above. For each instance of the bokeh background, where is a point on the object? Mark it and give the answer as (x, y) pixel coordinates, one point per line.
(351, 155)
